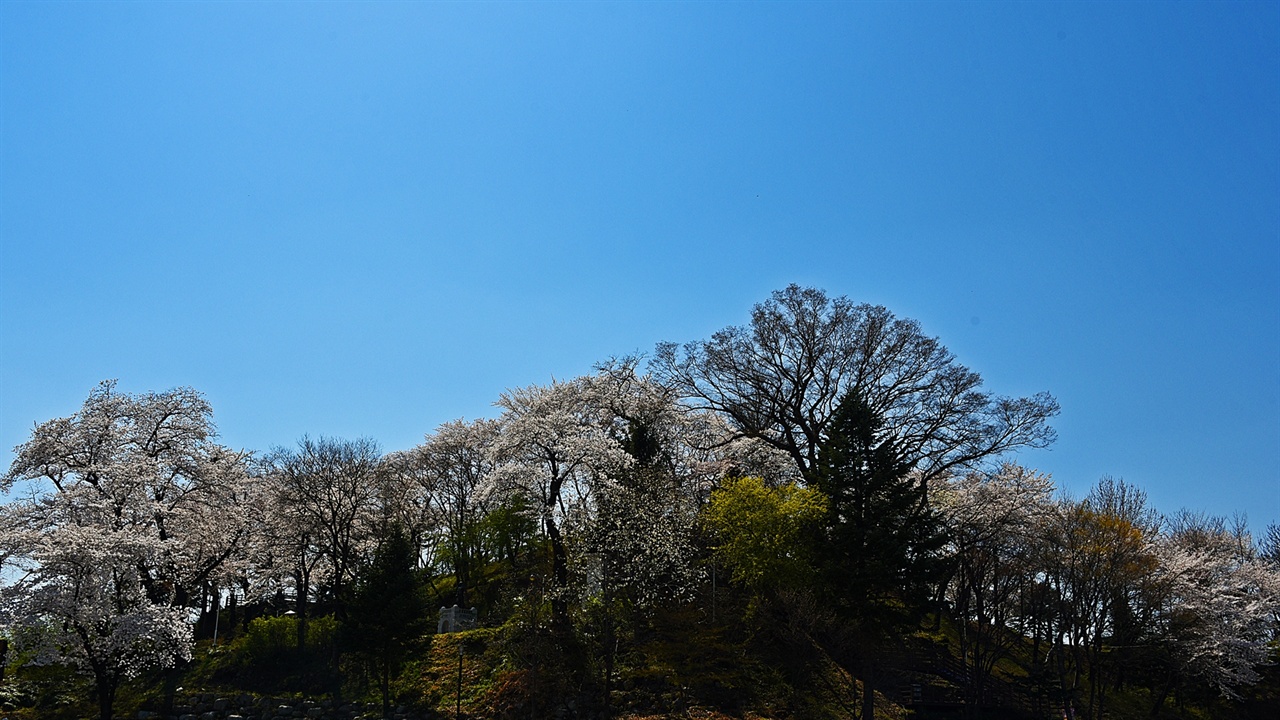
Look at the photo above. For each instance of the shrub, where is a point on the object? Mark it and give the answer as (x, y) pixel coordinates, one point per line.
(268, 638)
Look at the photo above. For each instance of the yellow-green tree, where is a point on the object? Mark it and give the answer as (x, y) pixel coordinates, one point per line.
(762, 534)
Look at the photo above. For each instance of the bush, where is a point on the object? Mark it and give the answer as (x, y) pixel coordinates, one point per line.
(269, 639)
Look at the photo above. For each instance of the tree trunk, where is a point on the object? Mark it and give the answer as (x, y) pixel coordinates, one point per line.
(609, 643)
(560, 576)
(233, 616)
(868, 693)
(384, 684)
(462, 560)
(172, 676)
(202, 623)
(106, 695)
(1158, 705)
(300, 588)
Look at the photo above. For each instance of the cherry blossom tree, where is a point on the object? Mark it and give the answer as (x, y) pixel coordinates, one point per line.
(454, 468)
(130, 507)
(555, 451)
(603, 460)
(81, 600)
(646, 521)
(1219, 605)
(995, 523)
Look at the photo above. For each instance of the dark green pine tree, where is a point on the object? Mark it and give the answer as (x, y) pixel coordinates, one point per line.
(388, 613)
(880, 541)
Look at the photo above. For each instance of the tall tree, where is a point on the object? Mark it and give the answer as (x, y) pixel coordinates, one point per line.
(879, 550)
(554, 451)
(133, 507)
(780, 379)
(1099, 550)
(388, 612)
(457, 463)
(995, 527)
(644, 528)
(327, 494)
(1218, 606)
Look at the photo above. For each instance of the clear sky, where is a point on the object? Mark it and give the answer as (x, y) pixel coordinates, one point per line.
(368, 219)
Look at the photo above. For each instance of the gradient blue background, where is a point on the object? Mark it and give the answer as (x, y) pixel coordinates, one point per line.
(367, 219)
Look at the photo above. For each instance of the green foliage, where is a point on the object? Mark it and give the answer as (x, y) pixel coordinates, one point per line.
(322, 633)
(676, 661)
(47, 692)
(763, 533)
(506, 534)
(265, 658)
(269, 640)
(491, 686)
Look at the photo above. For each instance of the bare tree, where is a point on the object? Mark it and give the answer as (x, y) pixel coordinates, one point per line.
(779, 379)
(1269, 544)
(407, 496)
(1099, 554)
(327, 493)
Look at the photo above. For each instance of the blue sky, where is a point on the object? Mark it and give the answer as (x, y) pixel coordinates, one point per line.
(368, 219)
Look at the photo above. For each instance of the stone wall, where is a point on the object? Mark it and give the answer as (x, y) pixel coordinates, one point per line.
(211, 706)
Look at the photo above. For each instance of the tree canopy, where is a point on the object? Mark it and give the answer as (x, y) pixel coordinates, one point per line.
(847, 472)
(780, 379)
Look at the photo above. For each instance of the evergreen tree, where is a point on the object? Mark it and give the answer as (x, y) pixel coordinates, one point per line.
(878, 551)
(389, 611)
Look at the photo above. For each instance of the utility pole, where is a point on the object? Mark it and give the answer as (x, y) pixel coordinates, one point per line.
(217, 615)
